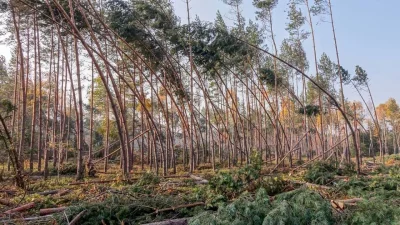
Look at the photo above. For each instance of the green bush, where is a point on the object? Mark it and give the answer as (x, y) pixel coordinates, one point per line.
(274, 185)
(347, 169)
(65, 169)
(148, 179)
(320, 173)
(231, 184)
(394, 172)
(324, 172)
(395, 157)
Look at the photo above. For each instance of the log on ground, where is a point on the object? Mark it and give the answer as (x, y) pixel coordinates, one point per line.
(182, 221)
(21, 208)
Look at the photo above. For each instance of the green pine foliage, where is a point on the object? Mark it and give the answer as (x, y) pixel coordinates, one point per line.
(320, 173)
(300, 206)
(324, 172)
(309, 110)
(296, 207)
(375, 211)
(245, 210)
(268, 77)
(381, 187)
(381, 194)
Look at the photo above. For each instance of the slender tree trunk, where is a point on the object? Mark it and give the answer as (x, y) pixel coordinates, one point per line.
(347, 145)
(33, 122)
(317, 76)
(23, 88)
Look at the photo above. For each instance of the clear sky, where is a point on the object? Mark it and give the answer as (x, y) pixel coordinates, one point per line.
(367, 33)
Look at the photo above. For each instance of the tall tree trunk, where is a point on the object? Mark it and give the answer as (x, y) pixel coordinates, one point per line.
(23, 88)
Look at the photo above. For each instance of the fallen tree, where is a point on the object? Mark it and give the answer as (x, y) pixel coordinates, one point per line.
(48, 211)
(198, 179)
(182, 221)
(341, 204)
(6, 202)
(187, 206)
(77, 218)
(20, 208)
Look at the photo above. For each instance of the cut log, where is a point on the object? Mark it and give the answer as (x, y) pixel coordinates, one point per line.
(176, 176)
(102, 181)
(21, 208)
(52, 192)
(341, 177)
(341, 204)
(198, 180)
(8, 192)
(334, 204)
(35, 177)
(36, 219)
(6, 202)
(311, 185)
(352, 200)
(370, 163)
(77, 218)
(182, 221)
(93, 182)
(63, 192)
(48, 211)
(179, 207)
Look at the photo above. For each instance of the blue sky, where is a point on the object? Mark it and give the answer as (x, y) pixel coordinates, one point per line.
(367, 32)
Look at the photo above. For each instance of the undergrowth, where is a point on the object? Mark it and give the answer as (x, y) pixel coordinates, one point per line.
(134, 204)
(244, 196)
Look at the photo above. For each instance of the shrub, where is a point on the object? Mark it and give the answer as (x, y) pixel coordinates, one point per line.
(148, 179)
(65, 169)
(347, 169)
(394, 172)
(232, 183)
(274, 185)
(320, 173)
(395, 157)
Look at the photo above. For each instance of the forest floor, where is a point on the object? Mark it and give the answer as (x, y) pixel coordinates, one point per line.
(318, 194)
